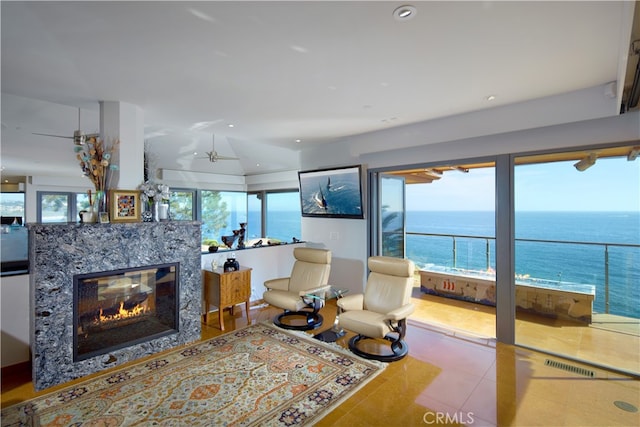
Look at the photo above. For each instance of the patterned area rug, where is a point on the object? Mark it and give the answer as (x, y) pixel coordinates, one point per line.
(260, 375)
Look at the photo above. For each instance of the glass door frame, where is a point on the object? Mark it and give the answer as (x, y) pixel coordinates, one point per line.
(504, 229)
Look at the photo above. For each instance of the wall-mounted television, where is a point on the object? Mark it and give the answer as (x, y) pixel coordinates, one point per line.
(332, 193)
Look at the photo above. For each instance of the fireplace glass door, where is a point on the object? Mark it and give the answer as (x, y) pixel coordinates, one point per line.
(116, 309)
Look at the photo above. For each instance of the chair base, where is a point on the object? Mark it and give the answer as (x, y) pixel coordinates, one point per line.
(313, 320)
(399, 349)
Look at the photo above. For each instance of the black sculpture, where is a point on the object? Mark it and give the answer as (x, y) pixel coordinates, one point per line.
(241, 235)
(237, 234)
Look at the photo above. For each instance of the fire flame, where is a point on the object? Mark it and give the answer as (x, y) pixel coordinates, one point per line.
(123, 313)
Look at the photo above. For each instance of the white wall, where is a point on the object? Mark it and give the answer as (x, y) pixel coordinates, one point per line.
(347, 238)
(14, 301)
(618, 128)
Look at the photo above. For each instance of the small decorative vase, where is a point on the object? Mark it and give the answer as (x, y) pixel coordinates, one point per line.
(163, 211)
(147, 216)
(231, 265)
(88, 217)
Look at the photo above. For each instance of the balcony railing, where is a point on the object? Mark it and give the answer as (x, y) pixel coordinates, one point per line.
(487, 256)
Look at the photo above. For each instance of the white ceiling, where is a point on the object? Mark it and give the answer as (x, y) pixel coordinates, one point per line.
(281, 71)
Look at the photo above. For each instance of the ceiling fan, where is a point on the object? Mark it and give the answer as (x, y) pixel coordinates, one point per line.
(213, 154)
(79, 138)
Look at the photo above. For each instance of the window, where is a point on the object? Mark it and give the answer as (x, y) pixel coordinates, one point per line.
(58, 206)
(282, 215)
(221, 213)
(182, 204)
(577, 244)
(274, 215)
(54, 207)
(12, 207)
(14, 238)
(82, 202)
(254, 226)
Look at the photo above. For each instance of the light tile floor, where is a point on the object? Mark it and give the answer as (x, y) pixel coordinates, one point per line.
(453, 377)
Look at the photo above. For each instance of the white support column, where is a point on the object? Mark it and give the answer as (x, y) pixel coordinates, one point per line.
(119, 120)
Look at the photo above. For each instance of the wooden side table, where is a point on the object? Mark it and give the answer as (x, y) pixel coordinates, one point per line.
(226, 289)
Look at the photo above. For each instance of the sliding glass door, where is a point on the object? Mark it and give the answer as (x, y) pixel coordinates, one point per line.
(442, 217)
(391, 235)
(568, 233)
(577, 255)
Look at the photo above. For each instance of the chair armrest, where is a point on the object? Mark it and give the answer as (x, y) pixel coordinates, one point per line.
(351, 302)
(319, 289)
(400, 313)
(281, 284)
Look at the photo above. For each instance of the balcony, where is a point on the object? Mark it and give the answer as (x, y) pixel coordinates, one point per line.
(609, 338)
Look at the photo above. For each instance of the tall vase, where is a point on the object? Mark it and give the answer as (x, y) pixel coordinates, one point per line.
(100, 204)
(156, 211)
(147, 213)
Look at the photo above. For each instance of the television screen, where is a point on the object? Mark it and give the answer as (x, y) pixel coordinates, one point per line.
(332, 193)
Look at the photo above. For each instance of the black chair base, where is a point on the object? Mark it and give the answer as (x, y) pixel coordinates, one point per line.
(312, 320)
(399, 349)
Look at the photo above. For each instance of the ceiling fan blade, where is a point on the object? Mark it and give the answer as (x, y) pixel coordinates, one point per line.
(213, 156)
(79, 138)
(55, 136)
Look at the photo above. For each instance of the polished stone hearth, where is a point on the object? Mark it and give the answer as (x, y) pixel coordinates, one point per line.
(60, 251)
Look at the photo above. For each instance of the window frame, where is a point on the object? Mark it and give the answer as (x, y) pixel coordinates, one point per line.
(263, 196)
(71, 204)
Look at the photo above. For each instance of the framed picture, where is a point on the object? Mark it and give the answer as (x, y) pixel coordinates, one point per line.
(125, 205)
(332, 193)
(104, 217)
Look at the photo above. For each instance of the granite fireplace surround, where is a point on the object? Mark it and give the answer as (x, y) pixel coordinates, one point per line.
(59, 251)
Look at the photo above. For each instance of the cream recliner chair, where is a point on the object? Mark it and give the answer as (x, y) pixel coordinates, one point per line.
(302, 294)
(382, 311)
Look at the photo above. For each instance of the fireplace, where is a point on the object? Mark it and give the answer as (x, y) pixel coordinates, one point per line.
(116, 309)
(62, 256)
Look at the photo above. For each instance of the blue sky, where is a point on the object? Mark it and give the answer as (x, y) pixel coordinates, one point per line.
(610, 185)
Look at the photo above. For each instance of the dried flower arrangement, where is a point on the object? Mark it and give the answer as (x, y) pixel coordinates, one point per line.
(95, 161)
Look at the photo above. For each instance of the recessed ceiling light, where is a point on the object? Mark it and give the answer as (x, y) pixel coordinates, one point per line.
(404, 13)
(298, 140)
(490, 97)
(231, 125)
(195, 153)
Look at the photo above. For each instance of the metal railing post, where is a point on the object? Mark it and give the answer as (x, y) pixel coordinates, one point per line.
(488, 252)
(606, 278)
(455, 250)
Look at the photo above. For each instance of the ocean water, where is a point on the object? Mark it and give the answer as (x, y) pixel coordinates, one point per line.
(564, 264)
